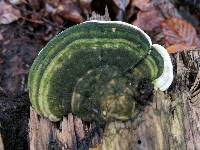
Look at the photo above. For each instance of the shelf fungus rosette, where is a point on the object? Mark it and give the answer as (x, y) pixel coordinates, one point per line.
(99, 70)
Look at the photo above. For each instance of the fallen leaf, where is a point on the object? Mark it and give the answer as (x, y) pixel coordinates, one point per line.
(131, 12)
(1, 37)
(177, 48)
(179, 34)
(86, 6)
(16, 2)
(148, 20)
(49, 8)
(166, 7)
(1, 60)
(8, 14)
(57, 19)
(71, 11)
(143, 5)
(35, 4)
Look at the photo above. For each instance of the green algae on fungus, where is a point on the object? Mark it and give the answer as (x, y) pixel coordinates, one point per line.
(94, 70)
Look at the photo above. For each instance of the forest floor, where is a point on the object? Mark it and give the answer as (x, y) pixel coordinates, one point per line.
(26, 26)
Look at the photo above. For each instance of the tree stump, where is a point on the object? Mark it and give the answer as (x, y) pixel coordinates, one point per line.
(171, 122)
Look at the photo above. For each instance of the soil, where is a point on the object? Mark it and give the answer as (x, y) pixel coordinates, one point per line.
(17, 51)
(14, 116)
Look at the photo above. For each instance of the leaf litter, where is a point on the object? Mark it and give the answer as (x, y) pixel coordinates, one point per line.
(8, 13)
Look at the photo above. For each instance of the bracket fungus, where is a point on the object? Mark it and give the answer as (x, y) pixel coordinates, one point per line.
(98, 70)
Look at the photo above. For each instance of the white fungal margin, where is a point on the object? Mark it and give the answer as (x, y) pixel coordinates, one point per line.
(165, 80)
(125, 24)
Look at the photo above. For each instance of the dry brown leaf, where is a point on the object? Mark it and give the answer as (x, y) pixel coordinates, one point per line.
(1, 60)
(53, 2)
(143, 5)
(35, 4)
(166, 7)
(179, 34)
(86, 6)
(1, 37)
(16, 2)
(8, 14)
(148, 20)
(177, 48)
(49, 8)
(70, 10)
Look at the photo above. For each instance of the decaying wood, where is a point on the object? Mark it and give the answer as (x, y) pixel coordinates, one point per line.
(171, 121)
(46, 135)
(1, 143)
(70, 133)
(160, 129)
